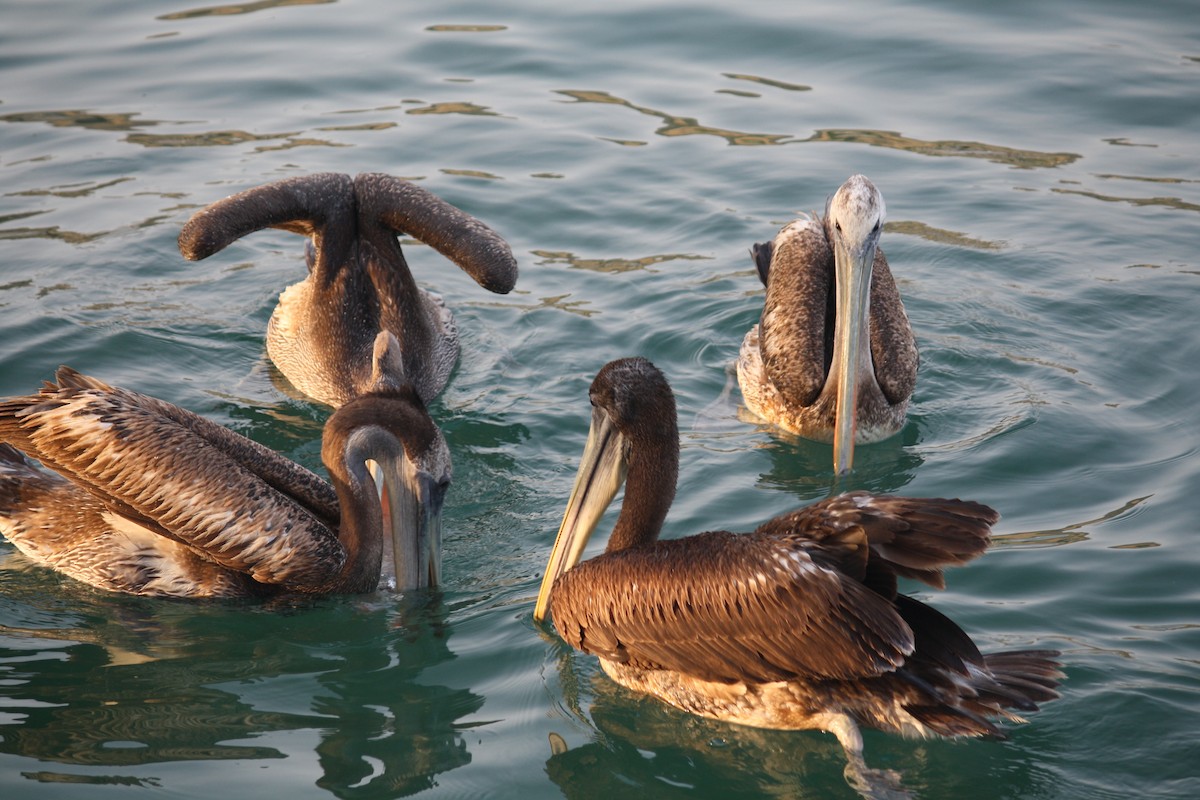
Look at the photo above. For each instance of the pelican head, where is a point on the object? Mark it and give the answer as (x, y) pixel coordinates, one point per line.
(395, 462)
(633, 423)
(854, 219)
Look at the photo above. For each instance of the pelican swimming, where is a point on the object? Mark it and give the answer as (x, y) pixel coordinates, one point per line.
(321, 332)
(148, 498)
(797, 625)
(833, 357)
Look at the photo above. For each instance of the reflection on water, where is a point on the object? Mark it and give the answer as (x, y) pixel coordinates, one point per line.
(45, 776)
(203, 138)
(678, 126)
(240, 8)
(791, 87)
(392, 732)
(939, 235)
(454, 108)
(71, 190)
(50, 232)
(224, 138)
(802, 467)
(211, 680)
(466, 28)
(673, 125)
(366, 126)
(1146, 179)
(82, 119)
(688, 126)
(611, 265)
(1068, 534)
(470, 173)
(1168, 202)
(1027, 159)
(639, 747)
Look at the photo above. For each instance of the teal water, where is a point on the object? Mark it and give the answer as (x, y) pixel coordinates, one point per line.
(1041, 167)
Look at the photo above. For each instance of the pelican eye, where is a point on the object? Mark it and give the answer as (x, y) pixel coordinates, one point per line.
(837, 226)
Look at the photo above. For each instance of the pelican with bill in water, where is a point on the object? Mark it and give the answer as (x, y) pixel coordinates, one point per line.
(798, 625)
(321, 332)
(833, 356)
(141, 496)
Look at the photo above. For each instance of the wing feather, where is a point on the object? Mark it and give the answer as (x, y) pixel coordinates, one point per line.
(809, 594)
(136, 457)
(722, 606)
(796, 348)
(893, 347)
(915, 536)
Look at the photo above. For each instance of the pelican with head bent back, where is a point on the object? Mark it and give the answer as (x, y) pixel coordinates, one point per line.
(797, 625)
(321, 332)
(148, 498)
(833, 357)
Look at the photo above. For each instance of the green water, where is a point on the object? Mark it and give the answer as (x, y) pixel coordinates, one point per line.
(1041, 167)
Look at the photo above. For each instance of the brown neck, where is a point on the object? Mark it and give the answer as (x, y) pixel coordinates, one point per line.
(649, 485)
(361, 535)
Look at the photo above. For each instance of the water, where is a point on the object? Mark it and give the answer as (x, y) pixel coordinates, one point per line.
(1042, 175)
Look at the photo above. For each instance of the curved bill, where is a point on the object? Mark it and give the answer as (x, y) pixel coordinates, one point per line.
(411, 501)
(851, 344)
(601, 473)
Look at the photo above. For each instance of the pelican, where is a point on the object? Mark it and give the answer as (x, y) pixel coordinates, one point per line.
(147, 498)
(797, 625)
(321, 332)
(833, 357)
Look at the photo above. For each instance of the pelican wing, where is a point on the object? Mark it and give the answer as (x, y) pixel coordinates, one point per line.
(913, 536)
(204, 489)
(809, 594)
(729, 607)
(321, 206)
(335, 210)
(404, 207)
(288, 477)
(795, 347)
(893, 347)
(62, 525)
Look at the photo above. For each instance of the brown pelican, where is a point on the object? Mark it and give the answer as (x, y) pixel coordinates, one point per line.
(833, 357)
(797, 625)
(321, 332)
(148, 498)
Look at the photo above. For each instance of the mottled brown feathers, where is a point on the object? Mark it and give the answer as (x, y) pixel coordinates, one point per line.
(789, 600)
(727, 607)
(145, 465)
(915, 536)
(150, 498)
(796, 327)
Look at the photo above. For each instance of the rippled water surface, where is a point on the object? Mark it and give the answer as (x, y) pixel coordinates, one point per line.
(1041, 167)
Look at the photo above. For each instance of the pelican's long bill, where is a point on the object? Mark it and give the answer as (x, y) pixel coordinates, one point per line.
(411, 502)
(601, 473)
(853, 266)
